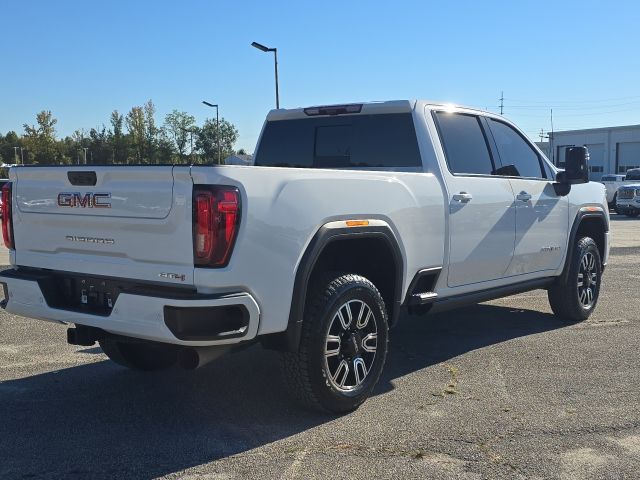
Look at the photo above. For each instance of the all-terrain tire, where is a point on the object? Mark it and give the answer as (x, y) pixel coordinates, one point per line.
(140, 356)
(315, 374)
(574, 295)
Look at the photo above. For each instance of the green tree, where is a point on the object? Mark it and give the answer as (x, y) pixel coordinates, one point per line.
(165, 149)
(40, 139)
(151, 131)
(210, 134)
(137, 134)
(99, 147)
(142, 132)
(9, 154)
(180, 126)
(117, 138)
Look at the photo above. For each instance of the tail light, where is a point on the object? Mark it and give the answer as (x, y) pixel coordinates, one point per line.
(7, 216)
(216, 219)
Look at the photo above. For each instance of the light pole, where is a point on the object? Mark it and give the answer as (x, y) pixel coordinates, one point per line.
(275, 59)
(190, 131)
(22, 155)
(85, 154)
(215, 105)
(15, 154)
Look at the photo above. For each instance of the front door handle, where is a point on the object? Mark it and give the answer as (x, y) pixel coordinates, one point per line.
(524, 196)
(462, 197)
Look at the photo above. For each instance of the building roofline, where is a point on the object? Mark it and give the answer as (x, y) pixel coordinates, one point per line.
(594, 130)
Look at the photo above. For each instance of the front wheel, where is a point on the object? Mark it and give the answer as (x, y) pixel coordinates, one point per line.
(574, 296)
(343, 345)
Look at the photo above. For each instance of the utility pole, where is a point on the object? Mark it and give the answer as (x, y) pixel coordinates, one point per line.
(541, 135)
(501, 102)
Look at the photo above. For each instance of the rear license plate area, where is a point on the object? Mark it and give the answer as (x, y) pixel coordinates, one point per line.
(81, 293)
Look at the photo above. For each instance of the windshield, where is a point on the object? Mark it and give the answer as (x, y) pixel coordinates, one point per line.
(633, 175)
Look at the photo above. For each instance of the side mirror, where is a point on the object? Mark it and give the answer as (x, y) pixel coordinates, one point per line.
(576, 170)
(576, 166)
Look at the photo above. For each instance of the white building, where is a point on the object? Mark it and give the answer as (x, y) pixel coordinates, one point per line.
(611, 149)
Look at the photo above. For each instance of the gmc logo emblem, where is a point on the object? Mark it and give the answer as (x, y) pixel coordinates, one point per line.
(88, 200)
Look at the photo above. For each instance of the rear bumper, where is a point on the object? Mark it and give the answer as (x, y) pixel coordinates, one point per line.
(199, 321)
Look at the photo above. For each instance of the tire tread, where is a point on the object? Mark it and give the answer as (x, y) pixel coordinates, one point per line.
(295, 364)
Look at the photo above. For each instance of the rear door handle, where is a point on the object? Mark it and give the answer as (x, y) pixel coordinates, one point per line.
(462, 197)
(523, 196)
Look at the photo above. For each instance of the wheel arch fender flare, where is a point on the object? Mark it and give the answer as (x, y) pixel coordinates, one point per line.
(326, 235)
(583, 214)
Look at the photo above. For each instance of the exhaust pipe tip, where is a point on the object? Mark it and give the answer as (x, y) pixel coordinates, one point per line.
(191, 358)
(188, 359)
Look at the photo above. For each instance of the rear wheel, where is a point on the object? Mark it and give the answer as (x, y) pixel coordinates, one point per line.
(140, 356)
(343, 346)
(574, 297)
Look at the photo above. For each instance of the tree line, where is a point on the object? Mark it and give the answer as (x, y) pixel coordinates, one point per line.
(134, 138)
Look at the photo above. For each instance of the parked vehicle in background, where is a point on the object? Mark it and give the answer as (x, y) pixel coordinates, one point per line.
(611, 184)
(628, 200)
(626, 197)
(350, 214)
(633, 175)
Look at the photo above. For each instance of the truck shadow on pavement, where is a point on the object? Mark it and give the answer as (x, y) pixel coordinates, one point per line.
(98, 420)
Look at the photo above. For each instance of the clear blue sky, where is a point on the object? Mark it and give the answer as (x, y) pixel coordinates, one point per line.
(81, 60)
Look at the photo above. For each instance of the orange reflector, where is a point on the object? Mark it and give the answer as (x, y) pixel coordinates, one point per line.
(357, 223)
(591, 209)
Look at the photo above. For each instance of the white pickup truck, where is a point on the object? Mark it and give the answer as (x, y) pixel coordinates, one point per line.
(350, 215)
(611, 184)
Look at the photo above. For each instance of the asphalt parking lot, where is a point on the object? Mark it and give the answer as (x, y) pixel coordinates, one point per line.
(498, 390)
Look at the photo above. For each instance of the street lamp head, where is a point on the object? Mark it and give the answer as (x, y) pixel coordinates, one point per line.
(261, 47)
(210, 104)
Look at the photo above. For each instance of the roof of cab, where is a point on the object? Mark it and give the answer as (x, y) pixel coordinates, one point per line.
(392, 106)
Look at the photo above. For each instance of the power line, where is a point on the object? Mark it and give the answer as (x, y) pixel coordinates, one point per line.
(558, 102)
(583, 107)
(573, 114)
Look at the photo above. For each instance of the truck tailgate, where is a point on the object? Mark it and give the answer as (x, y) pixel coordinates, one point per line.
(124, 221)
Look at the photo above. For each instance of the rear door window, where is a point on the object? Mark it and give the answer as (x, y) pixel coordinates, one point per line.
(384, 140)
(464, 143)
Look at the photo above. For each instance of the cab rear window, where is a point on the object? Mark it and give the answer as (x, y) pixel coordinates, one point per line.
(350, 141)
